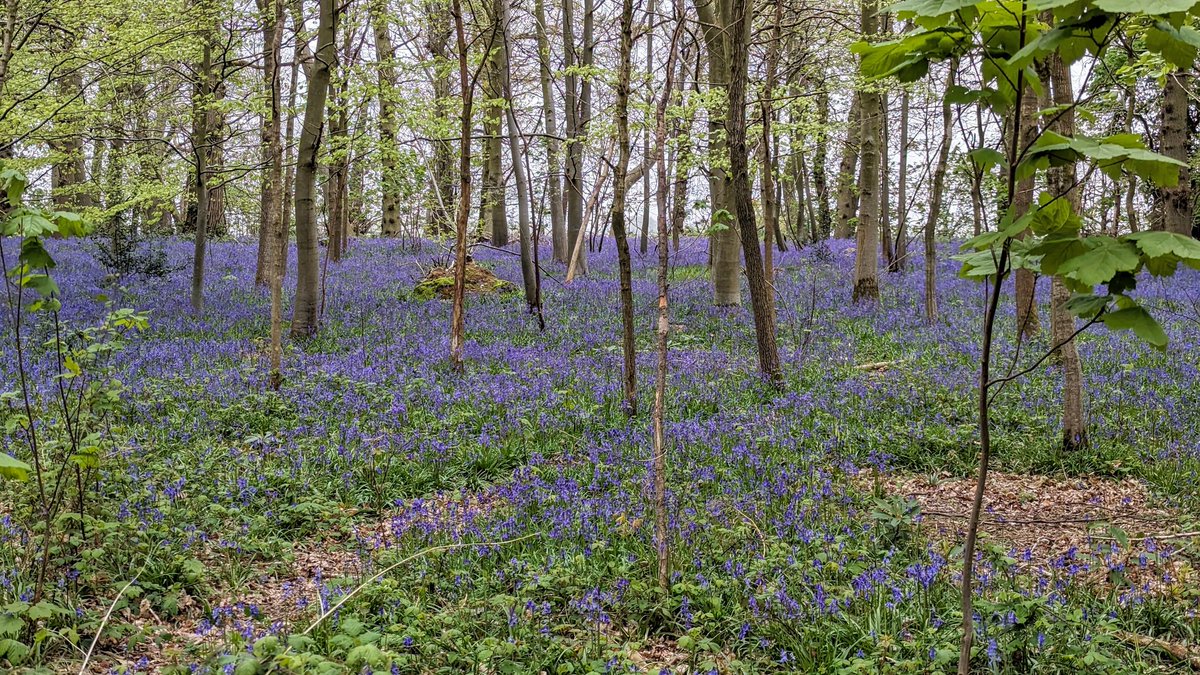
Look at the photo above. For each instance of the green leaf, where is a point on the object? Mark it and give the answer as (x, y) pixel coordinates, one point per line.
(34, 254)
(1087, 306)
(11, 467)
(930, 8)
(14, 185)
(1140, 322)
(1155, 244)
(1104, 258)
(1152, 7)
(1177, 45)
(1057, 250)
(986, 158)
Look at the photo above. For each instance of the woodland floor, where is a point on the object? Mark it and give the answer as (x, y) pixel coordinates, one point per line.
(814, 529)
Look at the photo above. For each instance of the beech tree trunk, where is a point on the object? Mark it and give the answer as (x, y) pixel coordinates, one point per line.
(900, 258)
(866, 255)
(200, 152)
(271, 218)
(305, 306)
(385, 74)
(847, 193)
(467, 91)
(727, 283)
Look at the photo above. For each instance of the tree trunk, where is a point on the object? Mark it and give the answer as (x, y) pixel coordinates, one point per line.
(644, 241)
(558, 233)
(445, 174)
(1061, 181)
(1174, 142)
(575, 133)
(820, 185)
(200, 148)
(617, 215)
(493, 195)
(306, 302)
(935, 198)
(271, 220)
(727, 283)
(900, 259)
(1028, 321)
(659, 447)
(458, 310)
(866, 255)
(769, 208)
(524, 227)
(885, 182)
(761, 300)
(847, 193)
(385, 74)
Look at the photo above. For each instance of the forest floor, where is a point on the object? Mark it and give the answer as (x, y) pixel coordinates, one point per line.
(498, 521)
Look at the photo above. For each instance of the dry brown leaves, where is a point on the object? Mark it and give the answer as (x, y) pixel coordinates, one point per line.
(1043, 519)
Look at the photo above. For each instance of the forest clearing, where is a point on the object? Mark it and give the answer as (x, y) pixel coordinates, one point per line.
(669, 336)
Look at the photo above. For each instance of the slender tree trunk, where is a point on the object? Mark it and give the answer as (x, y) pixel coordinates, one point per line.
(900, 259)
(847, 192)
(524, 226)
(935, 198)
(573, 122)
(458, 310)
(644, 241)
(307, 299)
(885, 182)
(385, 74)
(558, 233)
(820, 184)
(761, 300)
(200, 149)
(617, 215)
(1028, 322)
(1061, 181)
(866, 255)
(444, 181)
(493, 193)
(769, 208)
(271, 221)
(681, 131)
(659, 447)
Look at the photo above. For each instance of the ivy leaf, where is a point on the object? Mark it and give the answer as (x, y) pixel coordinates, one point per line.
(11, 467)
(1140, 322)
(1102, 261)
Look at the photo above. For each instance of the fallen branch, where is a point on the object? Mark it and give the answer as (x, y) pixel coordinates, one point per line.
(1180, 653)
(880, 365)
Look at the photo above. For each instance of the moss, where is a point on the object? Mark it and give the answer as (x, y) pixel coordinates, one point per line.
(439, 283)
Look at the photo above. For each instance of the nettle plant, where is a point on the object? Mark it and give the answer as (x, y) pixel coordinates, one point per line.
(60, 426)
(1015, 46)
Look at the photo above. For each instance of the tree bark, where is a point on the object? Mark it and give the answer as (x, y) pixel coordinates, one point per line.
(900, 259)
(866, 255)
(1061, 181)
(1174, 142)
(385, 74)
(306, 302)
(761, 299)
(524, 226)
(200, 151)
(1028, 321)
(727, 283)
(458, 310)
(617, 214)
(558, 233)
(271, 218)
(847, 192)
(935, 199)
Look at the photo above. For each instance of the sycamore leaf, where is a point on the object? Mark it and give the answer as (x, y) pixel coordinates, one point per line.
(930, 8)
(1154, 244)
(1153, 7)
(1057, 250)
(1177, 45)
(986, 158)
(1102, 261)
(1140, 322)
(11, 467)
(1087, 306)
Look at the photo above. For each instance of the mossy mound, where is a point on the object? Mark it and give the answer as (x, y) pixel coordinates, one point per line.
(439, 283)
